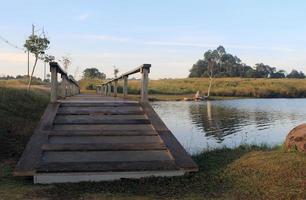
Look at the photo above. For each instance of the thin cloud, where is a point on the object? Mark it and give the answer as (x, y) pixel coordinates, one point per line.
(83, 17)
(106, 38)
(178, 43)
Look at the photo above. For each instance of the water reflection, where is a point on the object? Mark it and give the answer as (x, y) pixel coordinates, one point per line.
(212, 124)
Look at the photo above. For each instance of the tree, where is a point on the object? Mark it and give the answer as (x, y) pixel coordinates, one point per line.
(93, 73)
(37, 46)
(295, 74)
(116, 71)
(66, 61)
(229, 65)
(213, 59)
(264, 71)
(47, 59)
(278, 74)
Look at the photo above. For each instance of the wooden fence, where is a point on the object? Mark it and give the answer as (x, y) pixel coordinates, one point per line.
(65, 88)
(111, 87)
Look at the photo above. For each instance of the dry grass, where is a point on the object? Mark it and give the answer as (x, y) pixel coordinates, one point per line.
(233, 87)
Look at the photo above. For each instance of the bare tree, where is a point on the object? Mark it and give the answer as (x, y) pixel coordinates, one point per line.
(66, 61)
(213, 59)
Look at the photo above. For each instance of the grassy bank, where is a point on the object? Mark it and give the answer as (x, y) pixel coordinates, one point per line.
(246, 172)
(222, 87)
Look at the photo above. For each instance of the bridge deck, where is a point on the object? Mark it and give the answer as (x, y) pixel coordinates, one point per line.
(94, 138)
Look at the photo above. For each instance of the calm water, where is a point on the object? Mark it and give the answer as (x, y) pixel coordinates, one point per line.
(206, 125)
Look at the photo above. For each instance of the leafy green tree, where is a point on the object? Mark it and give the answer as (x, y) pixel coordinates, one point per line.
(278, 74)
(295, 74)
(37, 46)
(93, 73)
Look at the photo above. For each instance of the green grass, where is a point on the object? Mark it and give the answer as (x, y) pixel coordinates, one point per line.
(222, 87)
(246, 172)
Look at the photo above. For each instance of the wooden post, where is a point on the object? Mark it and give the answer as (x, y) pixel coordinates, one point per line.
(64, 85)
(54, 84)
(115, 88)
(144, 83)
(109, 89)
(125, 86)
(105, 90)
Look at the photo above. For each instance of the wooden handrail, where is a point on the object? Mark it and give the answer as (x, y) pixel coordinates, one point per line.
(68, 85)
(144, 69)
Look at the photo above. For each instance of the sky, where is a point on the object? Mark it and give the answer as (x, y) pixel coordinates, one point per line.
(169, 34)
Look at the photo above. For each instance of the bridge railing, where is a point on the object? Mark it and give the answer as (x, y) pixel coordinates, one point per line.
(111, 87)
(66, 87)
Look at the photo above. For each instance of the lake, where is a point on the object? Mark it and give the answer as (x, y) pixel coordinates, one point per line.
(200, 126)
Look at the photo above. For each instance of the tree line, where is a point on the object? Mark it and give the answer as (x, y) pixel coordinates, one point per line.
(219, 63)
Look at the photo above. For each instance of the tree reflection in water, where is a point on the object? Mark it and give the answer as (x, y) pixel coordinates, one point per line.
(213, 124)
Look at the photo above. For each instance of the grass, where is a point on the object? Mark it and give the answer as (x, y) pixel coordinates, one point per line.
(222, 87)
(246, 172)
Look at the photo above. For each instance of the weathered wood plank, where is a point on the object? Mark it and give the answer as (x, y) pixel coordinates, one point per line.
(93, 117)
(105, 156)
(90, 121)
(182, 159)
(104, 139)
(96, 104)
(104, 147)
(101, 110)
(74, 127)
(52, 167)
(31, 156)
(100, 133)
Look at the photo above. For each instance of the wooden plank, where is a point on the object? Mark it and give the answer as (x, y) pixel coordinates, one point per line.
(104, 147)
(90, 121)
(93, 117)
(100, 110)
(74, 127)
(76, 177)
(52, 167)
(99, 104)
(182, 159)
(31, 156)
(105, 156)
(104, 139)
(100, 133)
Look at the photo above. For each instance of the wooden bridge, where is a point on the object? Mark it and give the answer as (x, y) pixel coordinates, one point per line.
(101, 137)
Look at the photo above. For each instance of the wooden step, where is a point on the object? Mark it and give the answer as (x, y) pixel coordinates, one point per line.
(93, 117)
(104, 139)
(105, 156)
(127, 110)
(104, 147)
(84, 127)
(59, 120)
(104, 104)
(52, 167)
(100, 133)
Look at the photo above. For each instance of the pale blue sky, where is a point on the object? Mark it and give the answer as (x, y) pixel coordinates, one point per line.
(171, 35)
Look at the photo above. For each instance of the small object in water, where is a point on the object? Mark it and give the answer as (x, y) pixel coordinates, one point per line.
(198, 97)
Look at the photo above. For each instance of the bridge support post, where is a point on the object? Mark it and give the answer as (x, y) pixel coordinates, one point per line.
(54, 84)
(109, 89)
(64, 85)
(115, 88)
(125, 86)
(144, 83)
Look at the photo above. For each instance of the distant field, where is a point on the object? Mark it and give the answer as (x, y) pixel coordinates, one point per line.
(225, 87)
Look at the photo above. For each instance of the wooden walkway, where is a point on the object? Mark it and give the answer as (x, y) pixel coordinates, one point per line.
(93, 138)
(98, 138)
